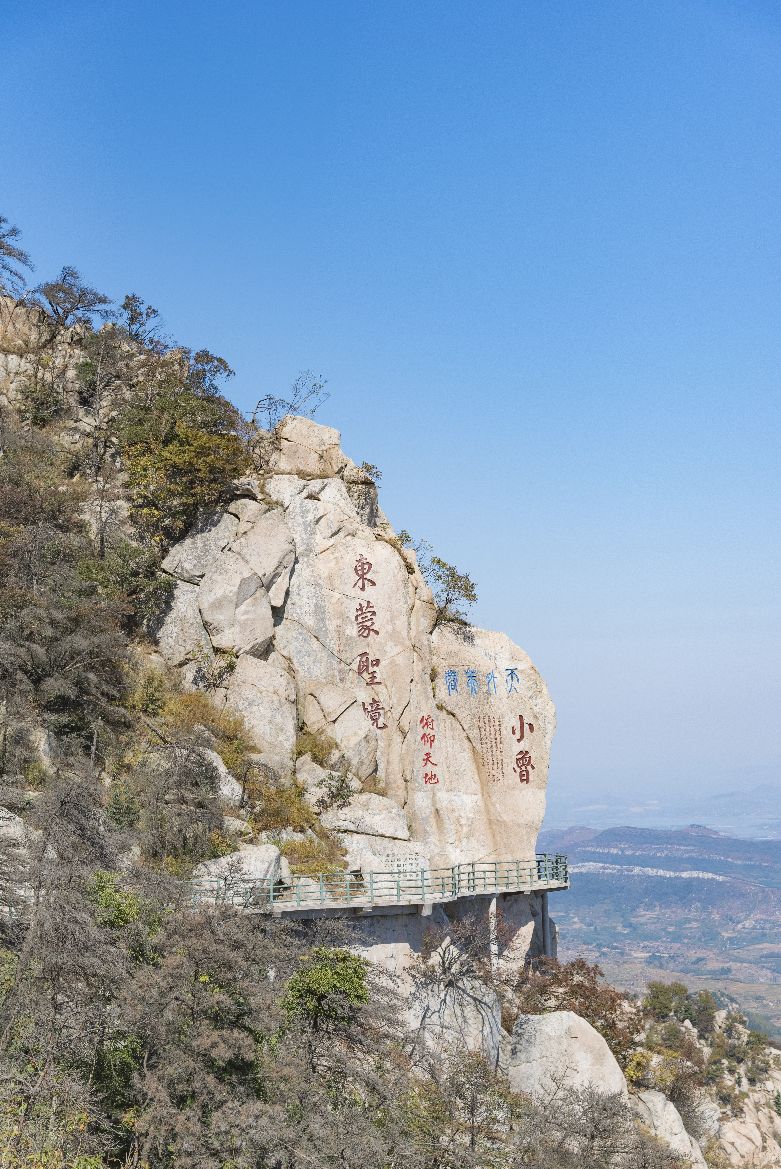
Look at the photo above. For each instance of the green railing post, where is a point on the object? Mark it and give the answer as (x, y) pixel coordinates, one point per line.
(371, 887)
(322, 890)
(423, 884)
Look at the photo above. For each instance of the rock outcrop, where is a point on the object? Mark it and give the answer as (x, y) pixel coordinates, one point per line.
(662, 1119)
(326, 625)
(560, 1051)
(754, 1136)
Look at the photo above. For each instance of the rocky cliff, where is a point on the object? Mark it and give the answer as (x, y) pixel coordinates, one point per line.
(300, 607)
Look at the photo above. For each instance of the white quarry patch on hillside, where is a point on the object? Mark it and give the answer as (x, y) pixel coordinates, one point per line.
(639, 871)
(668, 850)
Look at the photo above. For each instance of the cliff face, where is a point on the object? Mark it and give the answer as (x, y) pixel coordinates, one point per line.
(301, 602)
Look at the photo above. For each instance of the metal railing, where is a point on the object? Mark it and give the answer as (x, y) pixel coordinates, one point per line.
(339, 890)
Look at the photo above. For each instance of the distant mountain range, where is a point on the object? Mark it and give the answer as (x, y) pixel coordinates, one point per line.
(692, 902)
(753, 811)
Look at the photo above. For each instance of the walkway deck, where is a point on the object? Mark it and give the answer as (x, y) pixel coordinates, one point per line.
(385, 891)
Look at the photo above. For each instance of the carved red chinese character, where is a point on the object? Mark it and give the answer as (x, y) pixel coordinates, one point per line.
(519, 733)
(430, 777)
(367, 669)
(362, 569)
(524, 766)
(427, 722)
(375, 711)
(365, 616)
(427, 739)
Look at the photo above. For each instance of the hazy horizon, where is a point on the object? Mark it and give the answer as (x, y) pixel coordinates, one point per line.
(536, 255)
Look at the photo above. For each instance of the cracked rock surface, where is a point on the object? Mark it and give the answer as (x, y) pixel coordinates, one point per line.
(326, 625)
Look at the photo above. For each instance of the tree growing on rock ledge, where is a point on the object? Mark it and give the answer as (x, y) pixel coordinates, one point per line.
(307, 395)
(453, 591)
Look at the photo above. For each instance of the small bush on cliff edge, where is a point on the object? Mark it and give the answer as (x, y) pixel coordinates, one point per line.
(454, 591)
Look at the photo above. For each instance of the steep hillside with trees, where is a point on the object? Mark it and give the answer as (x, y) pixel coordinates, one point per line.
(138, 1027)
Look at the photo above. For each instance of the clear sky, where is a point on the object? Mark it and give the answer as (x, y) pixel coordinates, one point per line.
(533, 247)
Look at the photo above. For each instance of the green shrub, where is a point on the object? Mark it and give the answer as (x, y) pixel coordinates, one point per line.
(182, 444)
(130, 576)
(638, 1068)
(337, 791)
(115, 907)
(327, 990)
(673, 999)
(150, 692)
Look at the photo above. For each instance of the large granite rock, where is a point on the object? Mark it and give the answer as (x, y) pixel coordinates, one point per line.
(235, 607)
(663, 1120)
(560, 1051)
(201, 548)
(308, 448)
(753, 1138)
(12, 828)
(230, 789)
(181, 637)
(467, 1017)
(252, 862)
(371, 815)
(262, 691)
(267, 547)
(384, 854)
(333, 627)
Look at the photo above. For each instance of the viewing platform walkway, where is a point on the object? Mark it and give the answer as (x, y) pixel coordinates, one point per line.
(380, 891)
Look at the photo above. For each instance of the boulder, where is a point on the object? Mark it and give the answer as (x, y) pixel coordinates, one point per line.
(307, 447)
(335, 711)
(370, 815)
(235, 607)
(180, 634)
(383, 854)
(559, 1050)
(252, 862)
(230, 789)
(235, 826)
(466, 1016)
(708, 1117)
(267, 548)
(749, 1139)
(12, 828)
(660, 1116)
(201, 548)
(247, 511)
(264, 694)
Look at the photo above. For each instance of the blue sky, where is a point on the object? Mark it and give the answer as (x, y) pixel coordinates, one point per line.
(534, 248)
